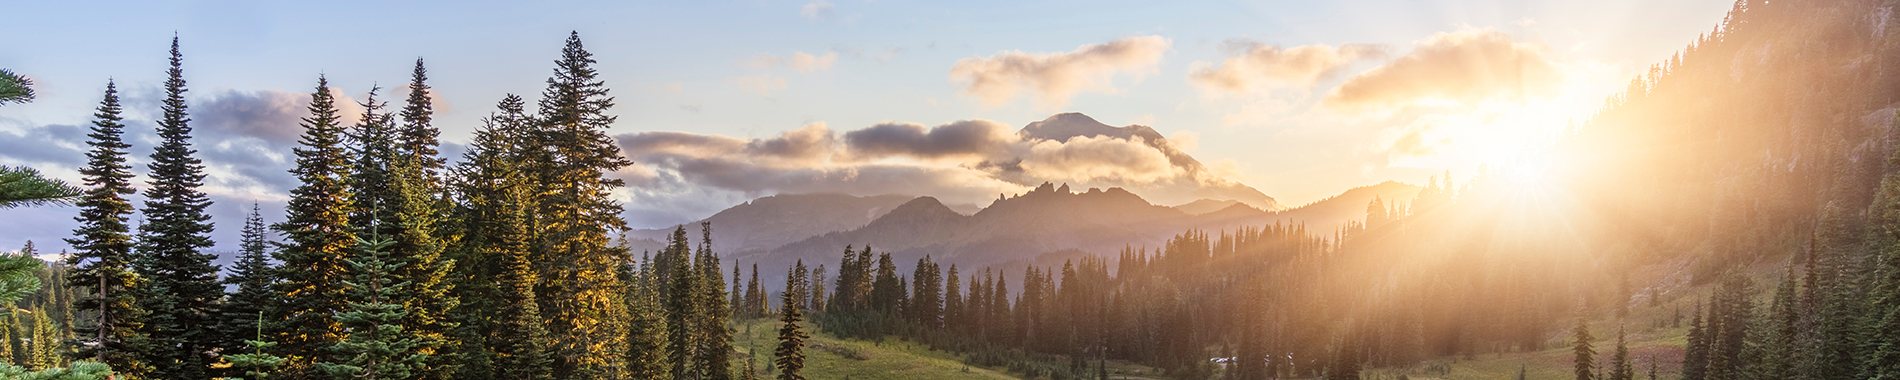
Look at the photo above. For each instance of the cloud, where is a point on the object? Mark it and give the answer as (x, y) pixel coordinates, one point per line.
(1098, 159)
(58, 144)
(1456, 68)
(762, 84)
(799, 61)
(1053, 78)
(1259, 66)
(817, 10)
(966, 138)
(679, 176)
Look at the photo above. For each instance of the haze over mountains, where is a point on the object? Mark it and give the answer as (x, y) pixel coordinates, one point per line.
(1046, 225)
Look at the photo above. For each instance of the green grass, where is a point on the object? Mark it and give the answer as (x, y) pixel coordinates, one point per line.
(826, 357)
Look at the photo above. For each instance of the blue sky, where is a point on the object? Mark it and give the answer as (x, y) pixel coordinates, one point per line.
(697, 67)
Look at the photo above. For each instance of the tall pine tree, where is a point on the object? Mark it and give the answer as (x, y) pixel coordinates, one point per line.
(103, 260)
(319, 238)
(789, 357)
(252, 276)
(183, 293)
(572, 153)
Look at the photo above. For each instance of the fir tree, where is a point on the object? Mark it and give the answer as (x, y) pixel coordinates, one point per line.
(103, 261)
(417, 137)
(9, 339)
(183, 291)
(521, 338)
(252, 276)
(319, 237)
(42, 342)
(647, 336)
(572, 154)
(790, 355)
(715, 335)
(1620, 366)
(493, 191)
(376, 346)
(685, 312)
(1695, 356)
(256, 364)
(1585, 360)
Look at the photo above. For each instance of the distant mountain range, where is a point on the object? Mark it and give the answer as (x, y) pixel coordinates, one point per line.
(1042, 227)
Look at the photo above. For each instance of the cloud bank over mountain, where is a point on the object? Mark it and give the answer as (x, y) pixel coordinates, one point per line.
(962, 162)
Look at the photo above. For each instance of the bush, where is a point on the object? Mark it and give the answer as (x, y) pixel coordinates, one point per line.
(81, 370)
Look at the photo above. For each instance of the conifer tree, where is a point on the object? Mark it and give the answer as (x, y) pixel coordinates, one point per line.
(256, 364)
(104, 244)
(1620, 367)
(252, 277)
(572, 154)
(1695, 356)
(319, 237)
(952, 299)
(647, 341)
(418, 248)
(817, 285)
(42, 342)
(790, 355)
(493, 190)
(1783, 326)
(685, 313)
(521, 338)
(715, 336)
(9, 339)
(1585, 360)
(183, 291)
(417, 137)
(376, 346)
(754, 295)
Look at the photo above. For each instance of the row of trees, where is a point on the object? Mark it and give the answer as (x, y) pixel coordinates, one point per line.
(394, 264)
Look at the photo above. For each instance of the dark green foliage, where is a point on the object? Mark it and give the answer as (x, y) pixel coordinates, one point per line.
(715, 335)
(789, 357)
(15, 88)
(571, 152)
(22, 187)
(648, 346)
(491, 224)
(252, 276)
(182, 293)
(376, 347)
(1620, 366)
(103, 245)
(319, 237)
(1585, 359)
(1695, 356)
(256, 364)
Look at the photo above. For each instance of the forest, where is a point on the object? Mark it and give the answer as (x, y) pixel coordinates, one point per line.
(1733, 214)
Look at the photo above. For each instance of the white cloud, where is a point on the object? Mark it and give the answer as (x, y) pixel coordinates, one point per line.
(1260, 66)
(1053, 78)
(1452, 68)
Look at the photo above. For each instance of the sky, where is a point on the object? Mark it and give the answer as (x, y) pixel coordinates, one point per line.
(719, 102)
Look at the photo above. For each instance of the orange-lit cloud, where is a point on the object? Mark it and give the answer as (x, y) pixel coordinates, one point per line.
(1259, 66)
(1455, 68)
(1053, 78)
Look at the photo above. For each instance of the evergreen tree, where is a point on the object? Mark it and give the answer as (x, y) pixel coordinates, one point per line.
(319, 237)
(1695, 356)
(572, 153)
(42, 342)
(256, 364)
(685, 313)
(817, 284)
(252, 276)
(521, 338)
(495, 198)
(647, 336)
(23, 187)
(1585, 354)
(715, 335)
(1620, 367)
(417, 137)
(790, 355)
(376, 346)
(952, 299)
(103, 261)
(9, 337)
(183, 291)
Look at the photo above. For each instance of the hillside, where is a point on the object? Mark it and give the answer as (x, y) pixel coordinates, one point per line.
(769, 222)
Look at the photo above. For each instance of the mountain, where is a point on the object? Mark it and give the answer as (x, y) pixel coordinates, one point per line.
(1042, 227)
(1204, 206)
(766, 223)
(1196, 182)
(1334, 211)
